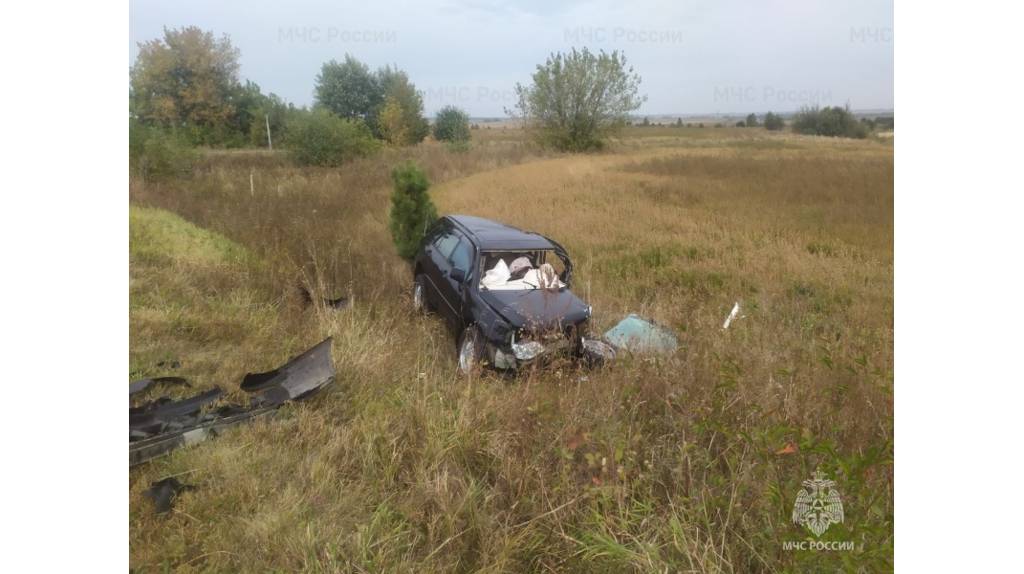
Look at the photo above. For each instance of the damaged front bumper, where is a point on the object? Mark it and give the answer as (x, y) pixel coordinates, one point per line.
(524, 351)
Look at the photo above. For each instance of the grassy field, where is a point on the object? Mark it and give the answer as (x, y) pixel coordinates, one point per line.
(685, 463)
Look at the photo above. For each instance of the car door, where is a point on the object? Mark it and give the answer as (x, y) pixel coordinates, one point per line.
(453, 289)
(436, 268)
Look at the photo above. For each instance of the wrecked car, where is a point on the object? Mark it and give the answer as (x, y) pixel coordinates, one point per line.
(503, 292)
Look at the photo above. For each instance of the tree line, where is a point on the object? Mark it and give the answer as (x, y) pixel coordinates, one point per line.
(185, 92)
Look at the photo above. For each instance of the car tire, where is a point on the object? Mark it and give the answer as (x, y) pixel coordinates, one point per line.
(470, 350)
(419, 295)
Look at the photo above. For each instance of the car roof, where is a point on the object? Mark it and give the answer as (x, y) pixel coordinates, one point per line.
(491, 235)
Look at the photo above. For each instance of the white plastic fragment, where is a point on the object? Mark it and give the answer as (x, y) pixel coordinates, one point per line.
(732, 315)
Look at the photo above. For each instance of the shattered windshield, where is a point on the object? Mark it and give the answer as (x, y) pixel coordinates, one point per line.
(521, 270)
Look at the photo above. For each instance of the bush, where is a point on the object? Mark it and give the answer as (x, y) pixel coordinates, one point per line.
(829, 121)
(322, 138)
(412, 211)
(451, 125)
(773, 122)
(751, 121)
(158, 154)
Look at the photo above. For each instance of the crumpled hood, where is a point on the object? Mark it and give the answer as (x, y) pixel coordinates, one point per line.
(537, 309)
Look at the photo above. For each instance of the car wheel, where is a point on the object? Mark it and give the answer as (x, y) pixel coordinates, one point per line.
(419, 295)
(471, 350)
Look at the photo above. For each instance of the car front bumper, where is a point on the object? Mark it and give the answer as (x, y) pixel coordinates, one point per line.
(504, 357)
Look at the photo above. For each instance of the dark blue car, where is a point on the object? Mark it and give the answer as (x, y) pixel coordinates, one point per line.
(503, 292)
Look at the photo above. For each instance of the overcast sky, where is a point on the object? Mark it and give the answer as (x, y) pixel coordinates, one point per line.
(724, 56)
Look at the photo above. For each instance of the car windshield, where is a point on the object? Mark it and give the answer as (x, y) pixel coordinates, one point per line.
(521, 270)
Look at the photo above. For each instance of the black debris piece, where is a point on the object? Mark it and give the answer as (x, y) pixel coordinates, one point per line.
(164, 424)
(143, 384)
(596, 353)
(307, 298)
(167, 415)
(339, 303)
(163, 492)
(296, 379)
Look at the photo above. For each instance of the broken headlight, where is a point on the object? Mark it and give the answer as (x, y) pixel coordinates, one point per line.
(526, 350)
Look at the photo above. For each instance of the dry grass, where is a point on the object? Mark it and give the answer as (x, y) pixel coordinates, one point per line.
(651, 465)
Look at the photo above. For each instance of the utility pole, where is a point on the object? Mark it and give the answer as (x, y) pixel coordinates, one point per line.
(269, 141)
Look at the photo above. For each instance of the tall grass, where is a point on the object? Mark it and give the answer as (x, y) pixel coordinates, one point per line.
(686, 463)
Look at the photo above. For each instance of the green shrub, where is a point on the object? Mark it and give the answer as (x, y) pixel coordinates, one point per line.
(773, 122)
(751, 121)
(829, 121)
(412, 211)
(451, 125)
(322, 138)
(155, 154)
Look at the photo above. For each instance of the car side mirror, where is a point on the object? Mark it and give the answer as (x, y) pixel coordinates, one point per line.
(458, 275)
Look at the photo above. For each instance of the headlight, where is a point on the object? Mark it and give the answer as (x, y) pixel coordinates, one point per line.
(526, 351)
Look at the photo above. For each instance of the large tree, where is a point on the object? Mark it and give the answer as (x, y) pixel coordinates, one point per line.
(349, 89)
(578, 99)
(254, 111)
(188, 77)
(402, 109)
(386, 100)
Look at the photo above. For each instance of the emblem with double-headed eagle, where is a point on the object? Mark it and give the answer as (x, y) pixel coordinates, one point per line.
(818, 505)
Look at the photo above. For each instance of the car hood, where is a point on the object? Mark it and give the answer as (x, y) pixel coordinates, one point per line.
(537, 309)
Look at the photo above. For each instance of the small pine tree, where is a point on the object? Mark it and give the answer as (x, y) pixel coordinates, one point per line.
(412, 211)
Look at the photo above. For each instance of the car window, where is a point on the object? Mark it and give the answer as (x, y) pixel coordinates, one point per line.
(462, 255)
(446, 244)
